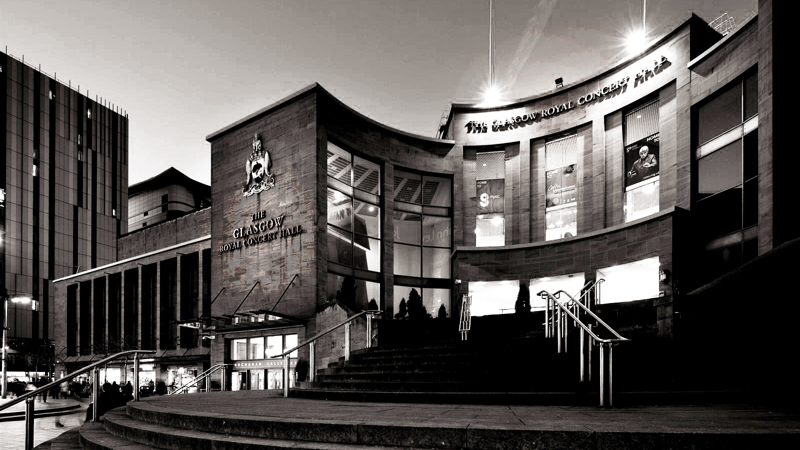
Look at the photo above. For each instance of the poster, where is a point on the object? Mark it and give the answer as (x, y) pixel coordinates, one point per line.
(561, 186)
(491, 196)
(641, 160)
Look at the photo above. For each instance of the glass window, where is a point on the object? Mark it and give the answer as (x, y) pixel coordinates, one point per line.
(367, 219)
(291, 342)
(435, 262)
(428, 301)
(641, 201)
(239, 349)
(256, 347)
(367, 253)
(641, 122)
(407, 228)
(340, 210)
(366, 176)
(434, 300)
(628, 282)
(561, 223)
(407, 187)
(436, 191)
(571, 284)
(720, 170)
(340, 246)
(339, 164)
(720, 114)
(274, 346)
(750, 96)
(490, 231)
(436, 231)
(491, 166)
(407, 260)
(493, 297)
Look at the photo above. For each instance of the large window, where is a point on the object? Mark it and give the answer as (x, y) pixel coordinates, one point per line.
(354, 227)
(571, 284)
(493, 297)
(254, 347)
(642, 161)
(490, 176)
(422, 240)
(726, 187)
(628, 282)
(561, 214)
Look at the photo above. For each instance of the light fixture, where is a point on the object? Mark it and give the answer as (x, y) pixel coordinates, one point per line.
(559, 82)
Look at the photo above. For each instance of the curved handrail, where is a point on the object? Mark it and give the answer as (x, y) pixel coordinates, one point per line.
(197, 378)
(594, 316)
(71, 376)
(581, 324)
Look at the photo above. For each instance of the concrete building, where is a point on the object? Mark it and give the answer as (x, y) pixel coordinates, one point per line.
(164, 197)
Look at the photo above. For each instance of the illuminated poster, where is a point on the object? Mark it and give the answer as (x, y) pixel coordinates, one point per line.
(561, 186)
(491, 196)
(641, 160)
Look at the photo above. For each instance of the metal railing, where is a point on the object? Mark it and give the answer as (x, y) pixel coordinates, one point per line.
(465, 321)
(30, 396)
(557, 321)
(205, 375)
(312, 344)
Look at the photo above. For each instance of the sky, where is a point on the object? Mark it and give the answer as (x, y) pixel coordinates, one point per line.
(183, 69)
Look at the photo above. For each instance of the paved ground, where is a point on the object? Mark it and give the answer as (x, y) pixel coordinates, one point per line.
(12, 434)
(733, 418)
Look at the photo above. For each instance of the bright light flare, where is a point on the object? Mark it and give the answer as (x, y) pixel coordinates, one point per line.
(635, 42)
(492, 95)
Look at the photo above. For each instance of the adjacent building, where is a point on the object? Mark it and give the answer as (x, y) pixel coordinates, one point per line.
(63, 193)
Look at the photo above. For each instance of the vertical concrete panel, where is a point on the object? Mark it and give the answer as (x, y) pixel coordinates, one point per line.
(538, 191)
(524, 191)
(598, 173)
(585, 181)
(667, 127)
(766, 210)
(157, 306)
(614, 169)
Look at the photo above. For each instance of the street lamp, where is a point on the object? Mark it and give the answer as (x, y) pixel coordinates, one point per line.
(18, 299)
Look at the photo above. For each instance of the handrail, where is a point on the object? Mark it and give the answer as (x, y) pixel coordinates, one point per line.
(29, 396)
(70, 377)
(581, 324)
(311, 342)
(595, 317)
(206, 373)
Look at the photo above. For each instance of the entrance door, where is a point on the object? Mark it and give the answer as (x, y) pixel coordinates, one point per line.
(256, 380)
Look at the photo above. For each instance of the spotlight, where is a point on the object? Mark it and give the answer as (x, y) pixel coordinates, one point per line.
(559, 82)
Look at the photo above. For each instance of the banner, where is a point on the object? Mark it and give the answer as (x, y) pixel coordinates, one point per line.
(641, 160)
(561, 186)
(491, 196)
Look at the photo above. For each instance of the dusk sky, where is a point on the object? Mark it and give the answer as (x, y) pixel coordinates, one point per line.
(184, 69)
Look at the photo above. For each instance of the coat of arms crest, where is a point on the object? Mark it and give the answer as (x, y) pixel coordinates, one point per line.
(259, 177)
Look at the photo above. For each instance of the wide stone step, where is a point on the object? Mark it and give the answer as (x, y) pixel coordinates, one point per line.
(123, 432)
(94, 436)
(557, 398)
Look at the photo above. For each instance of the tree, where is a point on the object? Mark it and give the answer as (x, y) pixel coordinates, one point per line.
(523, 304)
(373, 305)
(402, 310)
(416, 309)
(442, 314)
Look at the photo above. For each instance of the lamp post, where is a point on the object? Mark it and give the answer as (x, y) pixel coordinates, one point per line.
(5, 333)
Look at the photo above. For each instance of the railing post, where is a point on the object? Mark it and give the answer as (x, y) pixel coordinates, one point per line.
(610, 378)
(286, 376)
(582, 355)
(312, 366)
(566, 328)
(347, 341)
(369, 330)
(547, 316)
(557, 323)
(95, 393)
(589, 356)
(602, 376)
(223, 379)
(29, 409)
(136, 377)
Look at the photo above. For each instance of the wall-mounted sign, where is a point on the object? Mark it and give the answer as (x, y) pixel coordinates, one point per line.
(510, 123)
(262, 230)
(259, 177)
(561, 186)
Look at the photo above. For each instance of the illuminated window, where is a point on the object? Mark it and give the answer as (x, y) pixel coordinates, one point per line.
(493, 297)
(561, 210)
(490, 176)
(629, 282)
(642, 161)
(570, 284)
